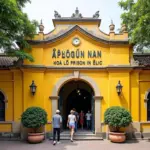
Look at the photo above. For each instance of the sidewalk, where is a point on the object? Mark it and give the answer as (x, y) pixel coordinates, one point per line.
(76, 145)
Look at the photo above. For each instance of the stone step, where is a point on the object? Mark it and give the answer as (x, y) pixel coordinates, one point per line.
(78, 136)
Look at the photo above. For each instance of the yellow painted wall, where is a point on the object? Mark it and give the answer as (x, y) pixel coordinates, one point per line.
(18, 95)
(15, 82)
(135, 105)
(124, 98)
(6, 127)
(119, 55)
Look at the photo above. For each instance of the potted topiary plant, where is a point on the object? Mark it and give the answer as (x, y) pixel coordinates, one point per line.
(34, 118)
(116, 117)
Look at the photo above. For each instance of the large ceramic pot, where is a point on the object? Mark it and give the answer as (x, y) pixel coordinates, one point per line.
(117, 137)
(35, 137)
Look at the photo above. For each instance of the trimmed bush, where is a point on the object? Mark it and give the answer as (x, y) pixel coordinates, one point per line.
(117, 117)
(34, 117)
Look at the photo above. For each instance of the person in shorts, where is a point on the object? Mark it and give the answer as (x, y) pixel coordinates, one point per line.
(71, 123)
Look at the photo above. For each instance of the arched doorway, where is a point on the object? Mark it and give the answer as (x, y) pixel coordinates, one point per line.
(2, 107)
(78, 95)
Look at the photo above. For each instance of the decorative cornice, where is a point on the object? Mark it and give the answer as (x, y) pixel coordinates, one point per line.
(56, 14)
(106, 68)
(96, 15)
(98, 39)
(76, 14)
(98, 97)
(54, 97)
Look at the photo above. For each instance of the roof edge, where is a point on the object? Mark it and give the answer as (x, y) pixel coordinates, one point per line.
(76, 27)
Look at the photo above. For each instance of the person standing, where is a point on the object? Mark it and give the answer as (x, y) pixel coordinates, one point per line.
(88, 119)
(71, 123)
(81, 119)
(57, 120)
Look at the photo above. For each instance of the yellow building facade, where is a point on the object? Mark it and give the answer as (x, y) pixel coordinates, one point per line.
(77, 66)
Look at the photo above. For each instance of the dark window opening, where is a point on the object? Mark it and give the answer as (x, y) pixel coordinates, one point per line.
(148, 107)
(2, 107)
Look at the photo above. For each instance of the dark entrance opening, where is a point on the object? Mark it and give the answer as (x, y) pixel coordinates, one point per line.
(2, 107)
(78, 95)
(148, 107)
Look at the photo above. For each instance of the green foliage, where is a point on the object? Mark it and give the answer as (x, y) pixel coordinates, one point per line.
(117, 117)
(137, 18)
(14, 27)
(34, 117)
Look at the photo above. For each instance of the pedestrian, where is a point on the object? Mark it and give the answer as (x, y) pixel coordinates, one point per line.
(77, 118)
(81, 115)
(71, 123)
(57, 120)
(88, 119)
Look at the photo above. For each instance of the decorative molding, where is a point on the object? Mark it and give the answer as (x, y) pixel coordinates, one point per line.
(146, 95)
(41, 28)
(6, 122)
(96, 15)
(56, 14)
(145, 100)
(98, 97)
(76, 74)
(134, 62)
(70, 77)
(123, 28)
(5, 97)
(54, 97)
(145, 122)
(112, 26)
(76, 14)
(83, 31)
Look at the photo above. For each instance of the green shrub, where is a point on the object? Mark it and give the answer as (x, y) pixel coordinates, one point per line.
(117, 117)
(34, 117)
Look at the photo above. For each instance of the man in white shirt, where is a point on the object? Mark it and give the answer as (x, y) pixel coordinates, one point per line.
(88, 119)
(71, 123)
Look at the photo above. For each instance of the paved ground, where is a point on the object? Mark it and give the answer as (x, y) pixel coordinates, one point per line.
(77, 145)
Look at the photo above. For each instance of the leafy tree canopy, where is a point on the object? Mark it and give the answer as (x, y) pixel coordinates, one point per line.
(14, 26)
(137, 18)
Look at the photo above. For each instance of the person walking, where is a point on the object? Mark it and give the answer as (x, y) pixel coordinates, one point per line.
(77, 118)
(57, 120)
(81, 119)
(88, 119)
(71, 123)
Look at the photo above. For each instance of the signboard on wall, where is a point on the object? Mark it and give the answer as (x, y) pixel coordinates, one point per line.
(76, 57)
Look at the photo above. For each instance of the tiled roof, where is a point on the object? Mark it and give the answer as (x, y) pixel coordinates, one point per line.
(144, 59)
(6, 61)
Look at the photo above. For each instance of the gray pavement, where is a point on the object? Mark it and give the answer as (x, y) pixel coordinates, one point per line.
(76, 145)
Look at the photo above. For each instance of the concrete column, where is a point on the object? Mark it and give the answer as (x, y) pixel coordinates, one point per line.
(54, 104)
(98, 114)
